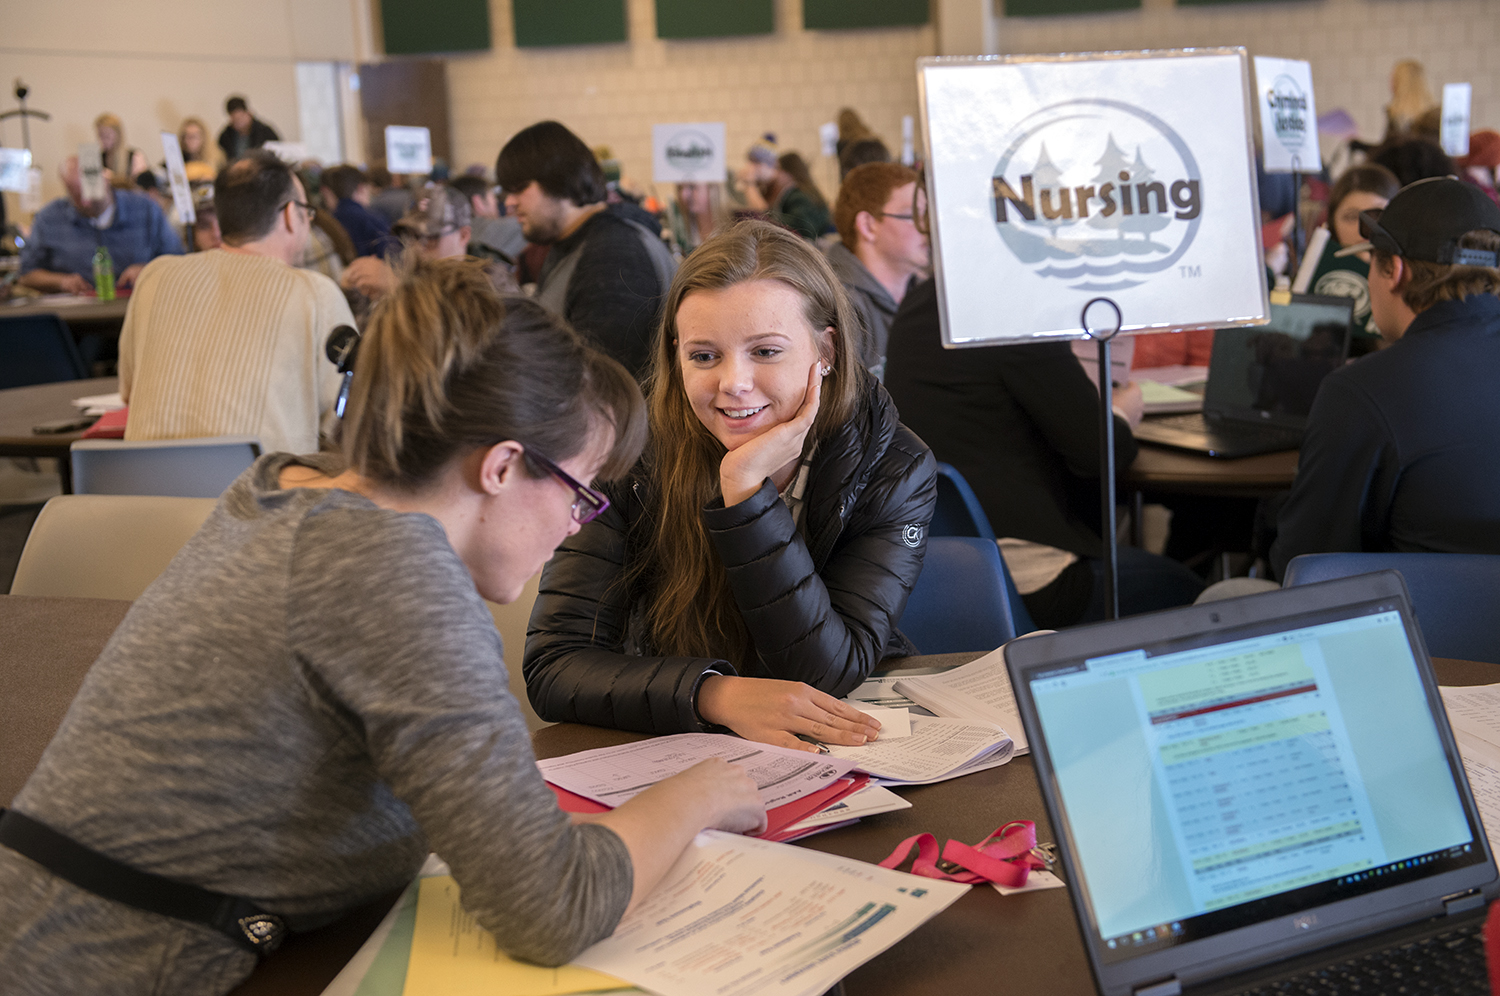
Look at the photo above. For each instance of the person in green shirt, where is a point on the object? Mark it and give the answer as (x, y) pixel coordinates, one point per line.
(1361, 188)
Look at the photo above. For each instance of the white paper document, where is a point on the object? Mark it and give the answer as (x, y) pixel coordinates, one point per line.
(611, 775)
(1482, 764)
(895, 723)
(1474, 709)
(938, 749)
(867, 801)
(978, 691)
(1036, 881)
(737, 916)
(881, 691)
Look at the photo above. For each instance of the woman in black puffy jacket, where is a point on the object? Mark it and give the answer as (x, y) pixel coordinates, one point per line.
(751, 570)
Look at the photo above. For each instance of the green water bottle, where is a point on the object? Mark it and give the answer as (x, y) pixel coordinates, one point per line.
(104, 274)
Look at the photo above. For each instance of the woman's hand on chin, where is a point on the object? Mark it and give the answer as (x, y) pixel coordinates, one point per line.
(776, 712)
(745, 467)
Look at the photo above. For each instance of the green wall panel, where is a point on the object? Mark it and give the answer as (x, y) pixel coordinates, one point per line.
(1047, 8)
(714, 18)
(822, 15)
(568, 22)
(415, 27)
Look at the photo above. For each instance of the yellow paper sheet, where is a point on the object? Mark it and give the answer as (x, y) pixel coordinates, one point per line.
(451, 955)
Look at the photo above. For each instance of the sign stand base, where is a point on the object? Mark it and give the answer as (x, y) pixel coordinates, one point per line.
(1107, 454)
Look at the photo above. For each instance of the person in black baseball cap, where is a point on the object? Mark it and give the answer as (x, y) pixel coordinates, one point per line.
(1401, 451)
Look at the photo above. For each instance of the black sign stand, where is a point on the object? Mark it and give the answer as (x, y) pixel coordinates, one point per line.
(24, 114)
(1107, 454)
(1295, 260)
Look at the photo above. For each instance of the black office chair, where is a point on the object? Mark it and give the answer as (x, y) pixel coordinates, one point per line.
(38, 349)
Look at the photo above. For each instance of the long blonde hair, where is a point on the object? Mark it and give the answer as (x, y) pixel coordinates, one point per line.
(689, 609)
(1411, 97)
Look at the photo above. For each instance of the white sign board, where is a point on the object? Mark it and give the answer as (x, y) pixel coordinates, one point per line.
(1288, 115)
(15, 169)
(288, 152)
(91, 171)
(408, 149)
(1058, 179)
(688, 153)
(182, 194)
(1455, 128)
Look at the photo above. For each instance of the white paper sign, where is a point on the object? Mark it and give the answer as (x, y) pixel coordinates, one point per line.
(408, 149)
(287, 152)
(15, 167)
(1288, 115)
(828, 138)
(908, 134)
(1455, 129)
(182, 194)
(91, 171)
(31, 197)
(688, 153)
(1055, 180)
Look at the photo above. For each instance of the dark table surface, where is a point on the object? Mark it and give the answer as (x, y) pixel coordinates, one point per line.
(1161, 470)
(985, 942)
(24, 407)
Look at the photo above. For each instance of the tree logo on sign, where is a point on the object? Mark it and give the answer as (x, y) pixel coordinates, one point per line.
(1097, 193)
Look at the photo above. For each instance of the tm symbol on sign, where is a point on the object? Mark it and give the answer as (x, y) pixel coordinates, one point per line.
(1190, 271)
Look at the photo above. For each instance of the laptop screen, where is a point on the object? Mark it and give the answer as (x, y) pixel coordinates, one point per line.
(1272, 372)
(1212, 782)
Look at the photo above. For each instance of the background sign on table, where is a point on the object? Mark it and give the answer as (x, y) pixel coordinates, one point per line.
(688, 153)
(1057, 179)
(1288, 115)
(408, 149)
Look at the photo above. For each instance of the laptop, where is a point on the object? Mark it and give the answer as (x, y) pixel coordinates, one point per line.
(1254, 789)
(1262, 381)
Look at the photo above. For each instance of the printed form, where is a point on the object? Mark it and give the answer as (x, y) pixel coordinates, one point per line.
(737, 916)
(1474, 713)
(1261, 782)
(611, 775)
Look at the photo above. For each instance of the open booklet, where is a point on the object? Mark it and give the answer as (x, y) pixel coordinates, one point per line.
(734, 915)
(1474, 714)
(978, 692)
(938, 749)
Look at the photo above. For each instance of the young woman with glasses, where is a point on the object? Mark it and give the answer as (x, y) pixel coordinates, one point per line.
(751, 570)
(312, 696)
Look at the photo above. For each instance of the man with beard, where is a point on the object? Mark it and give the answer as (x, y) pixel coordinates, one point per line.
(608, 268)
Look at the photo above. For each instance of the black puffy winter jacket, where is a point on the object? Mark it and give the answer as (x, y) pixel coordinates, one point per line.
(821, 603)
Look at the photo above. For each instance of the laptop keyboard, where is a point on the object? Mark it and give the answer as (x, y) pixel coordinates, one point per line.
(1448, 963)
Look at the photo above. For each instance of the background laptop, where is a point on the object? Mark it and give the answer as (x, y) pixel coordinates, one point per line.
(1244, 789)
(1261, 381)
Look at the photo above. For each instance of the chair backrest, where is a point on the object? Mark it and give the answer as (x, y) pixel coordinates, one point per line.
(960, 601)
(38, 349)
(105, 546)
(1452, 593)
(182, 468)
(958, 511)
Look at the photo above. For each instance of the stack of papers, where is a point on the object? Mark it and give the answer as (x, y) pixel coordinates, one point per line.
(796, 787)
(99, 404)
(1474, 714)
(978, 692)
(938, 749)
(733, 916)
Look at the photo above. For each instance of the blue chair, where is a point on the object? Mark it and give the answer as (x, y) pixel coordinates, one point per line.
(181, 468)
(38, 349)
(959, 513)
(961, 599)
(1453, 594)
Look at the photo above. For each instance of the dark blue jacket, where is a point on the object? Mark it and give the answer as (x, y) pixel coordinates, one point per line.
(64, 241)
(370, 232)
(1402, 451)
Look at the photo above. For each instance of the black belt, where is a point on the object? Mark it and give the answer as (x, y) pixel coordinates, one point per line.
(247, 924)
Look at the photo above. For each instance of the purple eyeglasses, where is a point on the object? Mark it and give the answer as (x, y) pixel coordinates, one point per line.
(588, 504)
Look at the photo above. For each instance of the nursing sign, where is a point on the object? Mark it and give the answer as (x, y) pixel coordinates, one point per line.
(1058, 179)
(687, 153)
(1288, 115)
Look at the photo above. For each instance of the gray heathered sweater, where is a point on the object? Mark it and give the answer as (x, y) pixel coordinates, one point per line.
(310, 697)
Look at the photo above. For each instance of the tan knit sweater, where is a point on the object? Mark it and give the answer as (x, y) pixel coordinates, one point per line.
(221, 343)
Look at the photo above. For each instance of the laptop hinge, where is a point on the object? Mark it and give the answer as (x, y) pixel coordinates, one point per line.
(1168, 987)
(1462, 902)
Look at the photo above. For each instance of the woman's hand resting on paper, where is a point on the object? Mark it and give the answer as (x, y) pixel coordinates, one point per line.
(776, 712)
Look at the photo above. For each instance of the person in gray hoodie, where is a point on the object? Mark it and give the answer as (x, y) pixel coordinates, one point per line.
(881, 219)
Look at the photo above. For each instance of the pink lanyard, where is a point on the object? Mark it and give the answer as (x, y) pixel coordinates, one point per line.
(1005, 857)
